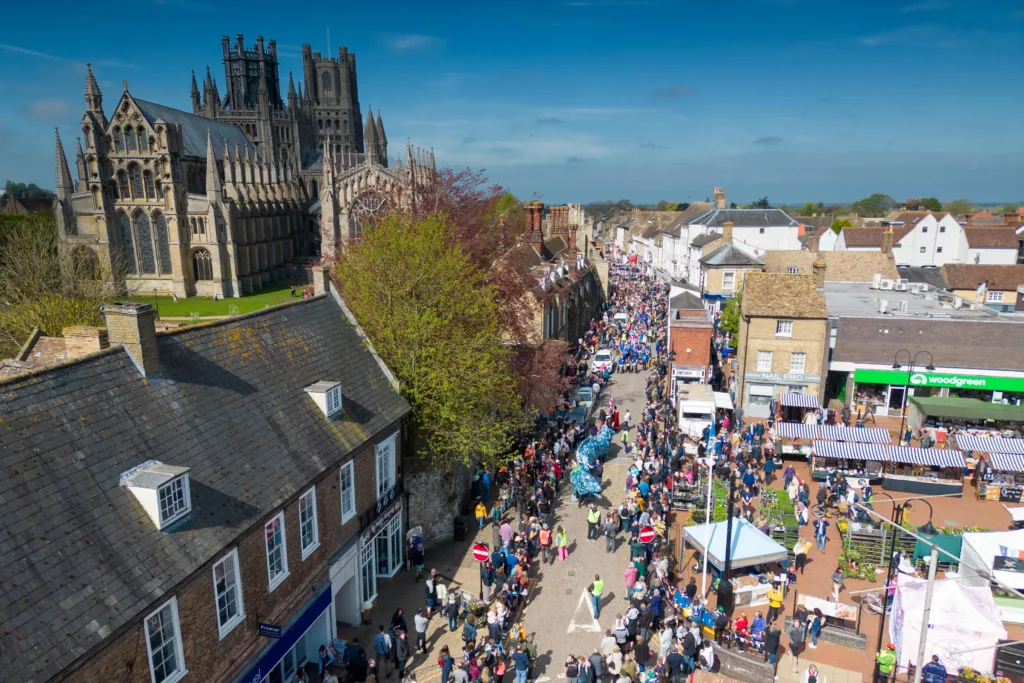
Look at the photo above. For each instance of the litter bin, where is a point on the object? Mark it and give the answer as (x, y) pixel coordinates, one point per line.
(461, 528)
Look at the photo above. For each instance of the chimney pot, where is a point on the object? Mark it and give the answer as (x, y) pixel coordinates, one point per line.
(81, 340)
(133, 325)
(819, 273)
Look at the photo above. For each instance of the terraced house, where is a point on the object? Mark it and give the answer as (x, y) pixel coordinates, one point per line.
(204, 504)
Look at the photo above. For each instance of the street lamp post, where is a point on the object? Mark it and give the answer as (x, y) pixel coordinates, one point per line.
(906, 388)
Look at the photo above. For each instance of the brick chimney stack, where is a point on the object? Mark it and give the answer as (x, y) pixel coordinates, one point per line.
(133, 325)
(887, 240)
(720, 198)
(819, 273)
(535, 224)
(81, 341)
(727, 232)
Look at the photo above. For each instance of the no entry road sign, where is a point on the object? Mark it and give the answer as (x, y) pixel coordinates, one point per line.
(481, 552)
(647, 534)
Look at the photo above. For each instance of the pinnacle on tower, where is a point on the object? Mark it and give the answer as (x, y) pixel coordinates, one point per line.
(197, 103)
(64, 187)
(291, 88)
(93, 96)
(380, 130)
(212, 176)
(370, 137)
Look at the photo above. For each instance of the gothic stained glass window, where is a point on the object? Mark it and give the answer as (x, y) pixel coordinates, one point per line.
(202, 265)
(122, 184)
(119, 139)
(130, 135)
(135, 173)
(150, 190)
(327, 81)
(163, 244)
(127, 245)
(143, 140)
(145, 237)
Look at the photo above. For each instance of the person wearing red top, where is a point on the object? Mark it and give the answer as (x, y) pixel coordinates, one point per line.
(742, 628)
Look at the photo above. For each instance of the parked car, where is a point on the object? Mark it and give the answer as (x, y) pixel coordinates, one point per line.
(584, 397)
(603, 361)
(621, 318)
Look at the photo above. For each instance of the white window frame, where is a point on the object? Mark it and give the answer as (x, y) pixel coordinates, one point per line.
(994, 297)
(942, 228)
(784, 328)
(230, 624)
(731, 287)
(384, 464)
(924, 250)
(179, 651)
(803, 362)
(306, 550)
(792, 270)
(333, 399)
(349, 467)
(764, 361)
(183, 480)
(275, 581)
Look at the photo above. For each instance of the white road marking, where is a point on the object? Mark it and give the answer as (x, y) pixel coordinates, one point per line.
(591, 626)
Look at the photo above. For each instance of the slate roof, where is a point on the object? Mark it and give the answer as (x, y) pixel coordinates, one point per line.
(969, 276)
(553, 246)
(840, 266)
(872, 237)
(687, 301)
(929, 276)
(815, 223)
(776, 295)
(78, 555)
(730, 255)
(194, 128)
(745, 218)
(705, 238)
(992, 237)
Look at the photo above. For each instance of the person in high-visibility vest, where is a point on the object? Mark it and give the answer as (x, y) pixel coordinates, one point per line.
(886, 660)
(596, 591)
(546, 547)
(593, 517)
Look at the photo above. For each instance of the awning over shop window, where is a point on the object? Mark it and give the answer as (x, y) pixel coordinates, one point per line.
(799, 401)
(1006, 462)
(796, 430)
(722, 401)
(967, 409)
(989, 444)
(835, 450)
(934, 457)
(856, 434)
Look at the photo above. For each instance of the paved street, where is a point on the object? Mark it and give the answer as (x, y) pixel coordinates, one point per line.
(559, 612)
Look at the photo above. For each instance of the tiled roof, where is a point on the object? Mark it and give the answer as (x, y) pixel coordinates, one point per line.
(970, 275)
(553, 247)
(769, 295)
(730, 255)
(992, 237)
(914, 217)
(929, 276)
(78, 555)
(872, 237)
(840, 266)
(815, 223)
(687, 301)
(705, 239)
(745, 218)
(194, 128)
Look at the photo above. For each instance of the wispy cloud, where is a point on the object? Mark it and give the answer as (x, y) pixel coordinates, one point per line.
(676, 91)
(48, 111)
(926, 6)
(404, 42)
(64, 60)
(916, 35)
(769, 141)
(651, 145)
(549, 120)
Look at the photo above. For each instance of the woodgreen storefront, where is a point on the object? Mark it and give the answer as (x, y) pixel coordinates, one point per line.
(887, 390)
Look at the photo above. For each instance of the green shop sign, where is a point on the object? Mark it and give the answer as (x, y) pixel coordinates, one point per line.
(935, 379)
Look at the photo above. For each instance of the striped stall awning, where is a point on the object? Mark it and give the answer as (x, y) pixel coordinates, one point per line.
(837, 450)
(799, 401)
(796, 430)
(856, 434)
(934, 457)
(989, 444)
(1006, 462)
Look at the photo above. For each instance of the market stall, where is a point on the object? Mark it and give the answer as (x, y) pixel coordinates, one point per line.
(855, 434)
(968, 441)
(856, 461)
(793, 440)
(795, 407)
(1000, 476)
(750, 548)
(842, 621)
(925, 471)
(935, 417)
(963, 626)
(981, 550)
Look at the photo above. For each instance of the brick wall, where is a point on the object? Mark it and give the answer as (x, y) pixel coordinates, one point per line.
(697, 340)
(124, 657)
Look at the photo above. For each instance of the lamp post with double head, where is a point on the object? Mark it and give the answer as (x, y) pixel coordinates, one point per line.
(911, 365)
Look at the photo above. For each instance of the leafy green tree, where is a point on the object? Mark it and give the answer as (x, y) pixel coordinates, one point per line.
(838, 225)
(931, 204)
(730, 318)
(1009, 208)
(808, 209)
(431, 314)
(875, 206)
(13, 189)
(732, 205)
(761, 203)
(959, 207)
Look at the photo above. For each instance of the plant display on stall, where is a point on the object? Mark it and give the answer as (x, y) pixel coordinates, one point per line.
(853, 568)
(719, 500)
(961, 530)
(969, 675)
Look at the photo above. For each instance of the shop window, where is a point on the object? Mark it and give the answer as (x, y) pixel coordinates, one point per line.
(784, 328)
(227, 588)
(385, 456)
(367, 572)
(764, 361)
(348, 491)
(277, 552)
(797, 362)
(309, 535)
(994, 297)
(163, 644)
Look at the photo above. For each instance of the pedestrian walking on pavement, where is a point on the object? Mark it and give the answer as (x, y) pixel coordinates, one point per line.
(522, 664)
(421, 622)
(547, 544)
(571, 672)
(562, 543)
(838, 579)
(481, 513)
(451, 610)
(593, 519)
(402, 653)
(382, 645)
(418, 560)
(631, 575)
(610, 532)
(596, 590)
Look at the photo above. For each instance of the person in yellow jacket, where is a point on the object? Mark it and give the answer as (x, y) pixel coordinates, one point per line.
(562, 543)
(886, 660)
(774, 603)
(481, 513)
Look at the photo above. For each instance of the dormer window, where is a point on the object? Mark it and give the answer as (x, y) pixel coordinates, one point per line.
(327, 396)
(162, 490)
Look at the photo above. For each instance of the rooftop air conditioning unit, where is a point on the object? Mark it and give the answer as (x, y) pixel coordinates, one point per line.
(904, 307)
(958, 302)
(885, 284)
(918, 287)
(901, 285)
(883, 306)
(876, 280)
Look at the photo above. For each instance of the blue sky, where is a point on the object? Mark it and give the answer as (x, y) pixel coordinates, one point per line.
(579, 100)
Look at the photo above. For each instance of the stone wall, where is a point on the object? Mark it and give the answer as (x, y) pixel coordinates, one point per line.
(435, 498)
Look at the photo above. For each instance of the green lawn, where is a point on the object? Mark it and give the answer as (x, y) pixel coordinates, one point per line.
(269, 296)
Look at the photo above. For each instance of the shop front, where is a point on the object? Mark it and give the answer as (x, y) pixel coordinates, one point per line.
(687, 374)
(763, 387)
(294, 643)
(886, 391)
(381, 544)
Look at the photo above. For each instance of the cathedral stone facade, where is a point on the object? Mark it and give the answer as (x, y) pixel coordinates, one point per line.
(244, 191)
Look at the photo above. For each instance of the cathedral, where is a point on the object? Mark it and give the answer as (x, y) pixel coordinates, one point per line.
(244, 191)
